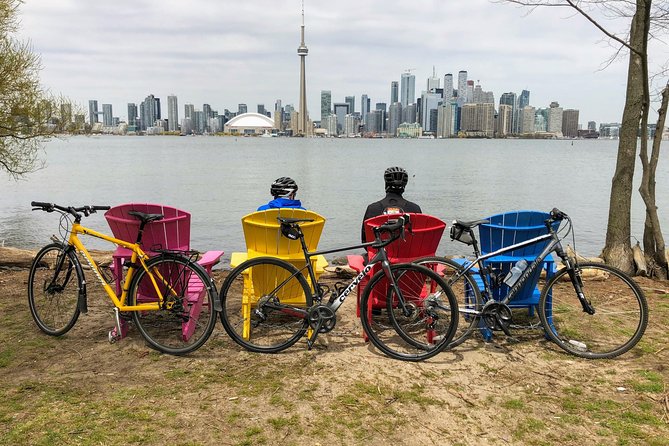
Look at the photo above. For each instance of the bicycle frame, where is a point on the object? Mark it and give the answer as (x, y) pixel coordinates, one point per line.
(137, 255)
(554, 246)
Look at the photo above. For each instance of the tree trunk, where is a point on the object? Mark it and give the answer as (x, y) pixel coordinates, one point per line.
(618, 250)
(653, 241)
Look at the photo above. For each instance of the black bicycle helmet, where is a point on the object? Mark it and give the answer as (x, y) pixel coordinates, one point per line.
(396, 179)
(283, 187)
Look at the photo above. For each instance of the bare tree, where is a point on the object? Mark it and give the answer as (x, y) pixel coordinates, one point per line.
(617, 250)
(653, 241)
(28, 114)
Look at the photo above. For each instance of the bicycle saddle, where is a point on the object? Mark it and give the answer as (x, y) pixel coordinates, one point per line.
(470, 224)
(146, 218)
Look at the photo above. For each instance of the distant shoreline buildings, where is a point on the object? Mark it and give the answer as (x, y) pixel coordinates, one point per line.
(458, 108)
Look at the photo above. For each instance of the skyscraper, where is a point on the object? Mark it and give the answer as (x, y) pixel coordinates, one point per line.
(394, 92)
(429, 101)
(407, 89)
(326, 104)
(462, 87)
(93, 111)
(350, 100)
(189, 111)
(364, 107)
(172, 113)
(302, 51)
(570, 123)
(149, 112)
(523, 99)
(341, 110)
(448, 86)
(433, 81)
(132, 114)
(241, 109)
(107, 115)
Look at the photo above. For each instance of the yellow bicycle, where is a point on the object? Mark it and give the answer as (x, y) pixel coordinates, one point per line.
(172, 300)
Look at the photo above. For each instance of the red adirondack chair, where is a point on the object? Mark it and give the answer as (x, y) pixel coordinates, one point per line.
(172, 232)
(421, 242)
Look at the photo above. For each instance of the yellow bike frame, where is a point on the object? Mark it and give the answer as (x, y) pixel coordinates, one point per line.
(137, 255)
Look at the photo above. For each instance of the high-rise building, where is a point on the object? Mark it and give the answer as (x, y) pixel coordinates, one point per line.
(570, 123)
(409, 114)
(302, 52)
(504, 120)
(394, 118)
(554, 119)
(330, 124)
(132, 114)
(446, 119)
(510, 100)
(429, 102)
(326, 104)
(107, 115)
(527, 119)
(351, 124)
(173, 113)
(478, 119)
(340, 111)
(407, 89)
(93, 111)
(448, 86)
(242, 108)
(433, 82)
(462, 87)
(149, 112)
(364, 107)
(350, 100)
(394, 92)
(261, 109)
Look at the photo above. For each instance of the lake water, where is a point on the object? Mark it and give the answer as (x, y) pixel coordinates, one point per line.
(221, 179)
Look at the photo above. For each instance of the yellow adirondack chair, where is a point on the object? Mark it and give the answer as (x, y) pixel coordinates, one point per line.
(262, 233)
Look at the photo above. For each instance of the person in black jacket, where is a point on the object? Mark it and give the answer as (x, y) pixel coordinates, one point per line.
(396, 179)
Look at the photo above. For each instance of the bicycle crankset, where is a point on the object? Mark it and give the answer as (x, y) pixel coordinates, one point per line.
(322, 318)
(497, 316)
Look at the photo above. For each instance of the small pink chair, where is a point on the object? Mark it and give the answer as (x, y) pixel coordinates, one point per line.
(172, 233)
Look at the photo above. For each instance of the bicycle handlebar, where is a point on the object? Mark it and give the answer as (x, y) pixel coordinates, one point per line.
(391, 226)
(74, 211)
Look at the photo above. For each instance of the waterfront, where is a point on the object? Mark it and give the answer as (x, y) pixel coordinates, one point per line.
(219, 180)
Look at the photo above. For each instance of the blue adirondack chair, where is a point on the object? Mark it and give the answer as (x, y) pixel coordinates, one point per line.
(505, 230)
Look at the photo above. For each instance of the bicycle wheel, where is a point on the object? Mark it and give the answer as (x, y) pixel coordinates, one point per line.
(53, 289)
(252, 296)
(466, 292)
(620, 311)
(187, 316)
(417, 324)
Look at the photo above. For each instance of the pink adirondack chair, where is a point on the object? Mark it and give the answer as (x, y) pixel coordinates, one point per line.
(173, 233)
(421, 242)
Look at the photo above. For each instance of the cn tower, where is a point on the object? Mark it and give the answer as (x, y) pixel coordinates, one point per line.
(302, 51)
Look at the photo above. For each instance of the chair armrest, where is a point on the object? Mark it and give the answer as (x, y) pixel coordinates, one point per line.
(356, 262)
(209, 259)
(237, 258)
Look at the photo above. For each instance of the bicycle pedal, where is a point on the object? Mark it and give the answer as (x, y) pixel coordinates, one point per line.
(113, 336)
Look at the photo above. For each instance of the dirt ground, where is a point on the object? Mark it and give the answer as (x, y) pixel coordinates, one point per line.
(79, 389)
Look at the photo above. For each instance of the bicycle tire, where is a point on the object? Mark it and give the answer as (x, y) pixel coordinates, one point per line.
(53, 304)
(466, 292)
(188, 317)
(430, 325)
(619, 321)
(271, 331)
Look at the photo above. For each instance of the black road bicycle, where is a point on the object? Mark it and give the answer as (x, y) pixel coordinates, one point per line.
(591, 310)
(268, 304)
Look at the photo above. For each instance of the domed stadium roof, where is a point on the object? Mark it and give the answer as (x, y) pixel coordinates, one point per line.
(250, 120)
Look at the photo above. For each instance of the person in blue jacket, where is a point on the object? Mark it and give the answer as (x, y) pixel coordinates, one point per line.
(283, 190)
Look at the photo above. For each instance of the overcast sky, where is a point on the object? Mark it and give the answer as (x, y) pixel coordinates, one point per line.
(228, 52)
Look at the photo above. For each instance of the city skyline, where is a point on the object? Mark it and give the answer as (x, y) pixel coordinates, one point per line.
(246, 53)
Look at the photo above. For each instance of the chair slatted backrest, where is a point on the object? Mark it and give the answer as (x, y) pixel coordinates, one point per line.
(422, 241)
(172, 232)
(508, 229)
(262, 233)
